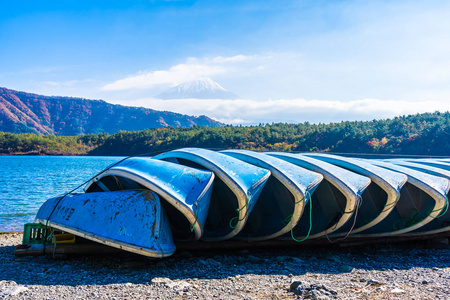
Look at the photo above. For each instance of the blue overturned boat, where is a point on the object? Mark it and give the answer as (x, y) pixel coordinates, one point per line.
(441, 223)
(283, 199)
(131, 220)
(143, 204)
(237, 186)
(425, 199)
(377, 212)
(335, 200)
(437, 163)
(184, 192)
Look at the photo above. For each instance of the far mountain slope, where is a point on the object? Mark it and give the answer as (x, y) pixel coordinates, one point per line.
(24, 112)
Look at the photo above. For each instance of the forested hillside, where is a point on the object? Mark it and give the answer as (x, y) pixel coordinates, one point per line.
(421, 134)
(22, 112)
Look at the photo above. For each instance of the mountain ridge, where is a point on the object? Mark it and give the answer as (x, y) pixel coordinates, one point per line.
(22, 112)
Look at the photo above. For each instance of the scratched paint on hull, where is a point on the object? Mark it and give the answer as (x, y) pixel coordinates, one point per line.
(130, 220)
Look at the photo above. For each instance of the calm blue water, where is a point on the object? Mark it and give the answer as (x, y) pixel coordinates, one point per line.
(27, 181)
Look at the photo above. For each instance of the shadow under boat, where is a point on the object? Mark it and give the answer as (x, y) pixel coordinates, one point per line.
(334, 202)
(424, 199)
(282, 200)
(377, 212)
(132, 220)
(184, 192)
(237, 186)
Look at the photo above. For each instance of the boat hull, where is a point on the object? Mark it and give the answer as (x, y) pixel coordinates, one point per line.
(237, 186)
(129, 220)
(334, 201)
(185, 192)
(283, 199)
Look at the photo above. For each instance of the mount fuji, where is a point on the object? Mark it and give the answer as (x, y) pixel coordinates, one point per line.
(198, 89)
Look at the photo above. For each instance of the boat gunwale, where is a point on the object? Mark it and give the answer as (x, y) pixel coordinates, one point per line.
(293, 187)
(106, 241)
(393, 192)
(241, 196)
(352, 197)
(169, 197)
(424, 186)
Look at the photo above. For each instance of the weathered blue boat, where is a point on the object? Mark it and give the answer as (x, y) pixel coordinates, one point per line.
(283, 198)
(442, 222)
(377, 211)
(437, 163)
(335, 200)
(236, 188)
(184, 192)
(425, 199)
(129, 220)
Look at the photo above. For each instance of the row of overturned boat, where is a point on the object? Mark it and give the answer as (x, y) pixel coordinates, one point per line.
(144, 204)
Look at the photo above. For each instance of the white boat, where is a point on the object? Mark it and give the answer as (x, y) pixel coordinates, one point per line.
(237, 186)
(283, 199)
(379, 199)
(335, 200)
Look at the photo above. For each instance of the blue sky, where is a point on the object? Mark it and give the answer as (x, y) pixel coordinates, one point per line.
(290, 61)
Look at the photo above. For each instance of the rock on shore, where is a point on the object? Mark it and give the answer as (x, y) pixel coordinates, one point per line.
(375, 272)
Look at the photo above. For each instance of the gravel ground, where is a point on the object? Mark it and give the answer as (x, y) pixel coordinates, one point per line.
(371, 272)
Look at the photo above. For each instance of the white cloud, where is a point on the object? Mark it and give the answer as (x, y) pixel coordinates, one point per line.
(194, 68)
(247, 112)
(236, 58)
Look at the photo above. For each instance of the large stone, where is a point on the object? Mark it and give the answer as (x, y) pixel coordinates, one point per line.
(161, 280)
(294, 285)
(14, 290)
(179, 285)
(397, 291)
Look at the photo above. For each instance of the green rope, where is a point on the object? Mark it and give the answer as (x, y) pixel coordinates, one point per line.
(439, 209)
(289, 218)
(388, 205)
(307, 195)
(160, 247)
(413, 220)
(238, 210)
(196, 217)
(409, 221)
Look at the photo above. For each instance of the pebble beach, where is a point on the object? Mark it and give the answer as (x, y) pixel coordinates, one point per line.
(404, 271)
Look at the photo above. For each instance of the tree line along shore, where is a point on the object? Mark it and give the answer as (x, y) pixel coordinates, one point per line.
(420, 134)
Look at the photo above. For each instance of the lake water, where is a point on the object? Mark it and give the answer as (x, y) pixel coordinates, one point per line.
(27, 181)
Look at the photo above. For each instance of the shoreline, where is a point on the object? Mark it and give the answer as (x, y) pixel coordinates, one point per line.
(407, 271)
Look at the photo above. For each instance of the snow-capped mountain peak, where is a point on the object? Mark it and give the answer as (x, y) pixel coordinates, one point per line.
(198, 89)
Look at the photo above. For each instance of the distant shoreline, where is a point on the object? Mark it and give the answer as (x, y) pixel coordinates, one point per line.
(421, 135)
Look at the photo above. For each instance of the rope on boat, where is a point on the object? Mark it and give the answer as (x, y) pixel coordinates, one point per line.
(353, 225)
(238, 210)
(439, 209)
(119, 185)
(307, 196)
(196, 217)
